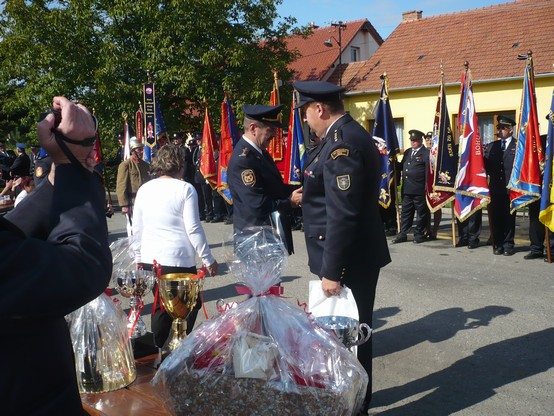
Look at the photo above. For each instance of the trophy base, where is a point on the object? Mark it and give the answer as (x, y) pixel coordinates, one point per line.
(177, 335)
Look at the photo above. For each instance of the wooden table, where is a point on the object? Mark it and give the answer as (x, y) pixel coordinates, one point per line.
(6, 207)
(134, 400)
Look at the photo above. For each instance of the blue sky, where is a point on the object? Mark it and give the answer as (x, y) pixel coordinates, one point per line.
(384, 15)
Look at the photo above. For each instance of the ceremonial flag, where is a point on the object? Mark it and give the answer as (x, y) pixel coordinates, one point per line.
(139, 124)
(229, 136)
(295, 152)
(97, 147)
(441, 175)
(384, 134)
(126, 138)
(276, 146)
(207, 159)
(472, 187)
(525, 182)
(546, 214)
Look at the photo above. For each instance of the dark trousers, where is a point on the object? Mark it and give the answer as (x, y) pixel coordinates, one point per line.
(161, 321)
(410, 205)
(470, 229)
(537, 231)
(201, 204)
(219, 205)
(208, 207)
(503, 223)
(363, 289)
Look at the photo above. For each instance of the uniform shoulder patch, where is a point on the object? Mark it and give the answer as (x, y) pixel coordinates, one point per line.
(340, 152)
(343, 182)
(248, 177)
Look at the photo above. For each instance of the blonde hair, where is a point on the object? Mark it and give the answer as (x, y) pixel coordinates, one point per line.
(168, 161)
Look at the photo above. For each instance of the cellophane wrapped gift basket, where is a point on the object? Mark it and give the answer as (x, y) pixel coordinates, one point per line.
(264, 356)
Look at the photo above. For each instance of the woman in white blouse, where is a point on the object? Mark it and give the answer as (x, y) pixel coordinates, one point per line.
(167, 229)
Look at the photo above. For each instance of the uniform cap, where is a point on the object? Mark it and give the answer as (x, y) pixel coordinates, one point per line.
(505, 121)
(134, 143)
(20, 146)
(429, 134)
(267, 114)
(416, 135)
(316, 91)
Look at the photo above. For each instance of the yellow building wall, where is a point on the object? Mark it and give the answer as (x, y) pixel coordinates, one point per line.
(417, 107)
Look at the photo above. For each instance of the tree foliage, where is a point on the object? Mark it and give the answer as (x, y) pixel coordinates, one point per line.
(100, 51)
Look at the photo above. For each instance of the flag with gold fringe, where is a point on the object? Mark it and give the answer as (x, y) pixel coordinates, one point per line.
(276, 147)
(525, 182)
(441, 174)
(384, 134)
(207, 159)
(472, 187)
(295, 151)
(546, 214)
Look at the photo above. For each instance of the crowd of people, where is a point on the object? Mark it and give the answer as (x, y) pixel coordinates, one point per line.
(166, 201)
(499, 158)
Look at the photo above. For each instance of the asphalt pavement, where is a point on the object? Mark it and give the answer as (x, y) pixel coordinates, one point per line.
(456, 331)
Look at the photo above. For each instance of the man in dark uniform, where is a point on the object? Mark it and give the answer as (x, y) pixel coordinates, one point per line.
(414, 172)
(344, 233)
(499, 161)
(253, 177)
(22, 162)
(71, 265)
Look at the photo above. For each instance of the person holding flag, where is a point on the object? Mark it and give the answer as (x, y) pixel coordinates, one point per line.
(499, 160)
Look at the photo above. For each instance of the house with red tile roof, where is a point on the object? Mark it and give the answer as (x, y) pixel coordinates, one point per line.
(320, 54)
(488, 38)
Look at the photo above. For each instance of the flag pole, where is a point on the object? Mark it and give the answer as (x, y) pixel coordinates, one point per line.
(548, 251)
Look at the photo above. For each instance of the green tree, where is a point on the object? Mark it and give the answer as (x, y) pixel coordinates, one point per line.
(100, 51)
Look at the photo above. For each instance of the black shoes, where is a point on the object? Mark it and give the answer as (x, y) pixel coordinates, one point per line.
(531, 256)
(400, 239)
(217, 219)
(509, 252)
(419, 240)
(498, 251)
(473, 244)
(462, 243)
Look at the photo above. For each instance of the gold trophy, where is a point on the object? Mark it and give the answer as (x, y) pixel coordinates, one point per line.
(179, 293)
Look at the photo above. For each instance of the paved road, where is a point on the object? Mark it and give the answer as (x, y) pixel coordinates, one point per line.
(457, 331)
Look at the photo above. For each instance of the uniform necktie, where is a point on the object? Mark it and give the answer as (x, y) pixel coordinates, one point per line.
(503, 145)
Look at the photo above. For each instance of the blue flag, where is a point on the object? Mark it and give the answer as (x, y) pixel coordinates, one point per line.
(384, 134)
(295, 152)
(546, 214)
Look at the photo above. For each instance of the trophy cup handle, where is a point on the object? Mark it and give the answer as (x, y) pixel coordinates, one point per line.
(364, 337)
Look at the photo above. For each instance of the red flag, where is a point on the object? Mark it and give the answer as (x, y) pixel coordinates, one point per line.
(276, 146)
(207, 159)
(225, 149)
(139, 124)
(97, 148)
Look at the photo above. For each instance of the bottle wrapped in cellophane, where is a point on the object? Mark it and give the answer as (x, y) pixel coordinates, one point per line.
(264, 356)
(103, 352)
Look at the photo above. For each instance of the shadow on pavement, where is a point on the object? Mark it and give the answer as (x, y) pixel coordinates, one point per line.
(472, 379)
(435, 327)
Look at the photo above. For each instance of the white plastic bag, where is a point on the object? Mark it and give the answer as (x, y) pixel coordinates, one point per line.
(320, 305)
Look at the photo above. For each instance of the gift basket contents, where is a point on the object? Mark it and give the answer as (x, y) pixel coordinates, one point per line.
(264, 356)
(130, 283)
(103, 354)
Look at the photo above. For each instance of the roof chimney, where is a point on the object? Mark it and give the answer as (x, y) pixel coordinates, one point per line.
(413, 15)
